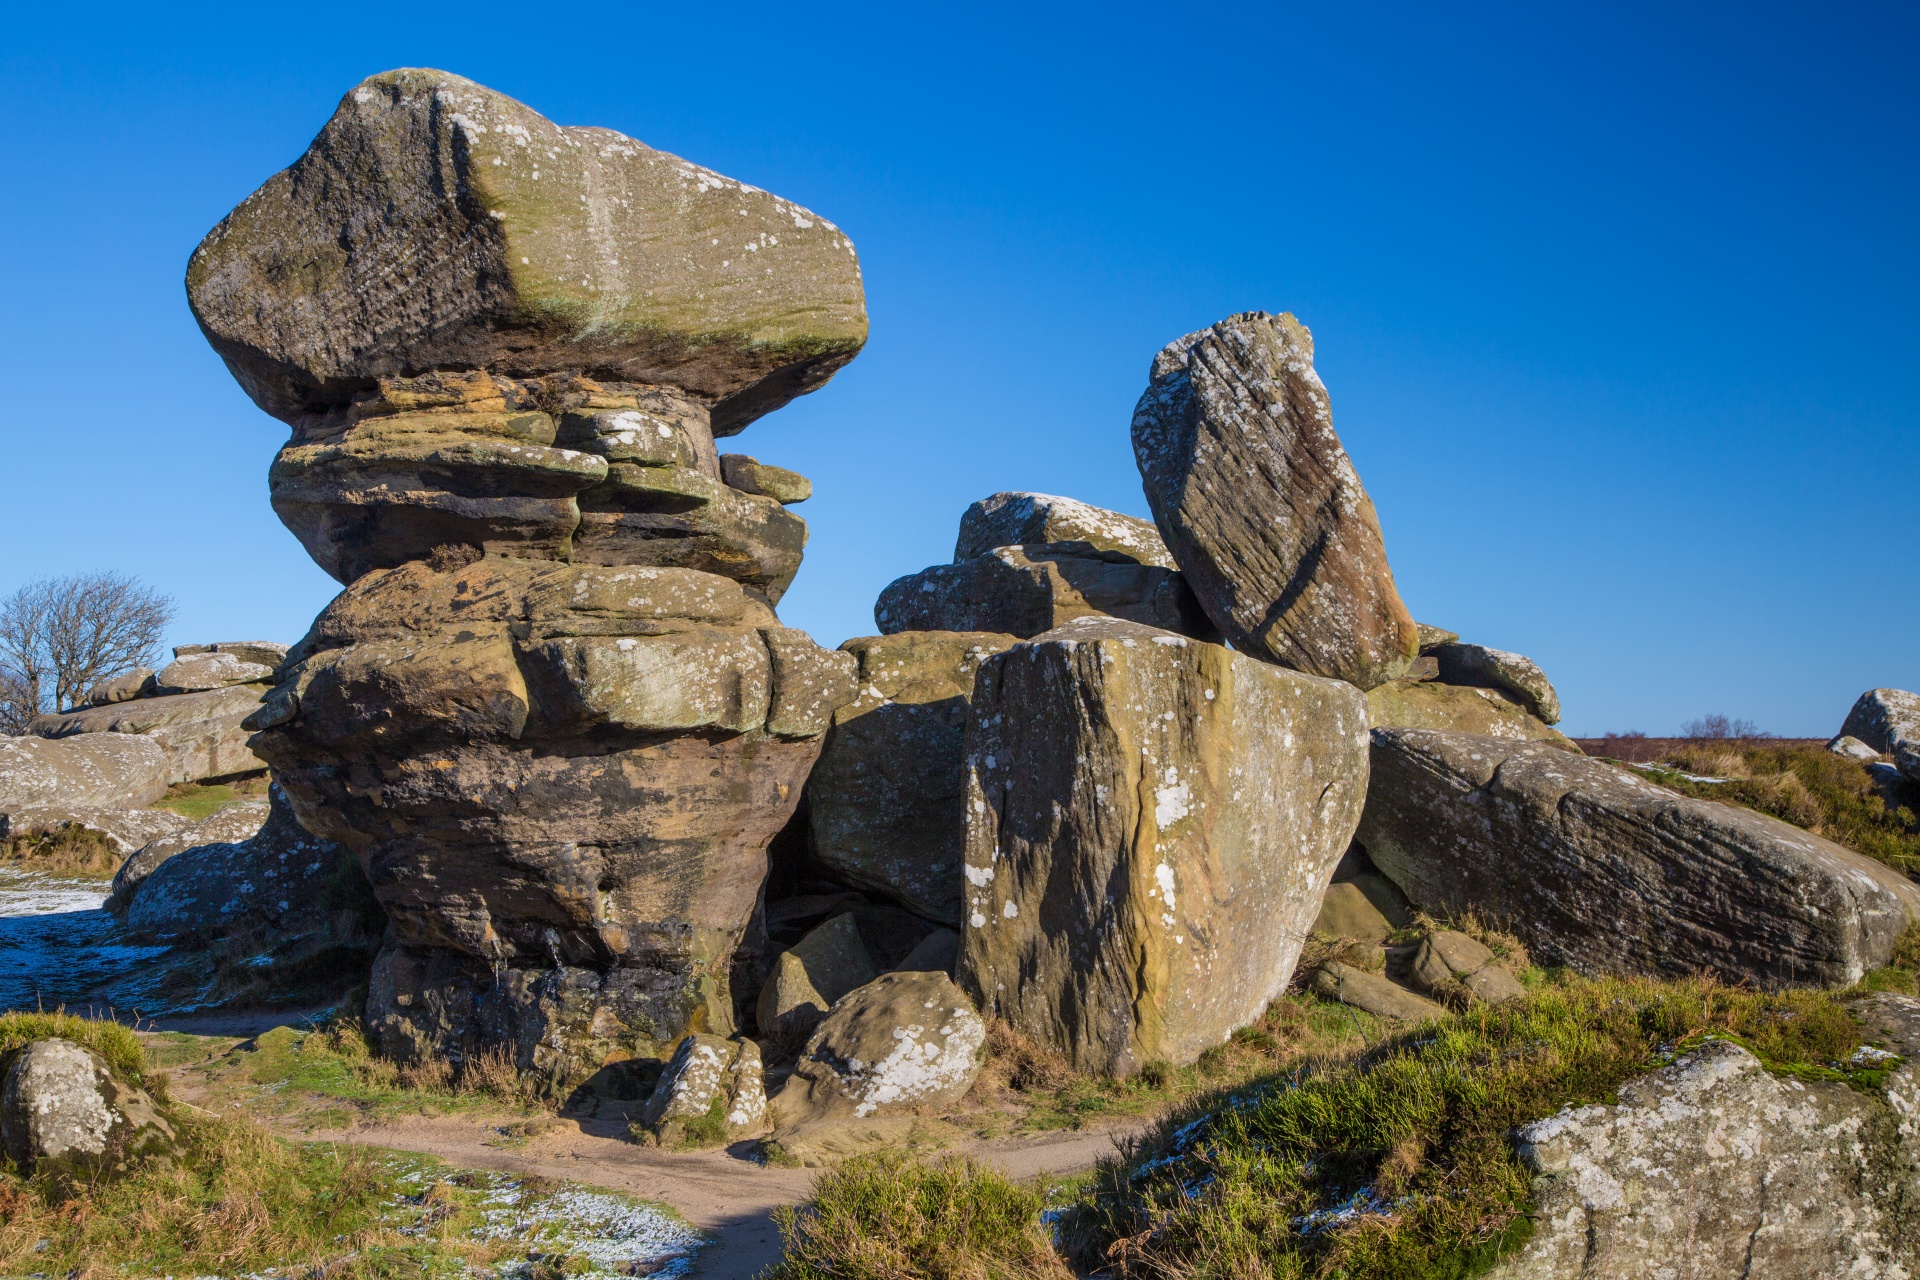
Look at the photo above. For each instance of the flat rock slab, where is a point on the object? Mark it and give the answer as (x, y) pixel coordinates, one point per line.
(1026, 590)
(1261, 506)
(1599, 869)
(1429, 704)
(1019, 519)
(90, 771)
(201, 733)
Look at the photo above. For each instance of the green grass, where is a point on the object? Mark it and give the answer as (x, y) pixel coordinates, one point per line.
(196, 800)
(891, 1217)
(1808, 786)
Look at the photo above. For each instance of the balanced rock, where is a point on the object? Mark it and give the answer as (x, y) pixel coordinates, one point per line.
(708, 1078)
(91, 771)
(199, 672)
(1023, 519)
(579, 770)
(1888, 720)
(1472, 664)
(231, 825)
(810, 976)
(1456, 708)
(62, 1106)
(885, 801)
(436, 224)
(1601, 870)
(200, 734)
(1261, 506)
(750, 475)
(1151, 822)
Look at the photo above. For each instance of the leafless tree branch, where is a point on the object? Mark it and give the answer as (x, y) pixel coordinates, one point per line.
(61, 636)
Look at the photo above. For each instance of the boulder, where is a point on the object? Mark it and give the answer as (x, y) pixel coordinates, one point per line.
(1372, 993)
(1022, 519)
(938, 952)
(200, 734)
(1346, 912)
(708, 1078)
(1888, 720)
(1598, 869)
(1410, 704)
(1712, 1166)
(199, 672)
(529, 248)
(1852, 749)
(810, 976)
(903, 1042)
(750, 475)
(137, 683)
(62, 1107)
(92, 771)
(127, 830)
(1023, 591)
(1450, 961)
(885, 800)
(267, 653)
(1472, 664)
(1434, 637)
(1151, 823)
(1261, 506)
(231, 825)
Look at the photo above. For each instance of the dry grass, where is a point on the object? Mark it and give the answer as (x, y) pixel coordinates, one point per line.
(318, 1059)
(70, 851)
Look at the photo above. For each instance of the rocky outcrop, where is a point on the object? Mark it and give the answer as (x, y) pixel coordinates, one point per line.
(1024, 519)
(1261, 506)
(126, 830)
(885, 800)
(1151, 821)
(62, 1108)
(1512, 674)
(711, 1080)
(1711, 1166)
(1600, 870)
(200, 733)
(1888, 720)
(1431, 704)
(125, 687)
(231, 825)
(1025, 590)
(92, 771)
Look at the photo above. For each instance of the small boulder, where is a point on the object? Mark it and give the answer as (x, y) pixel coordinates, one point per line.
(1373, 994)
(1448, 960)
(199, 672)
(1022, 519)
(711, 1088)
(1025, 590)
(1454, 708)
(1888, 720)
(810, 976)
(95, 771)
(750, 475)
(230, 825)
(137, 683)
(62, 1106)
(1477, 665)
(1852, 749)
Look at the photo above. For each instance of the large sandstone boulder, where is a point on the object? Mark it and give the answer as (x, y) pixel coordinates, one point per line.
(1022, 519)
(708, 1079)
(1430, 704)
(579, 767)
(1261, 506)
(1023, 591)
(267, 653)
(885, 801)
(434, 223)
(1888, 720)
(92, 771)
(1714, 1167)
(62, 1107)
(1599, 869)
(1151, 822)
(231, 825)
(200, 734)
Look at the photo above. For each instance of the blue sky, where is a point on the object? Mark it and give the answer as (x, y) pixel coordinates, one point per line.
(1615, 304)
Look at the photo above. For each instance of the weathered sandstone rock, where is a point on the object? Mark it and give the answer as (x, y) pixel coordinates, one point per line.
(1434, 637)
(1852, 749)
(268, 653)
(1888, 720)
(1024, 591)
(708, 1077)
(434, 223)
(61, 1106)
(1426, 704)
(561, 781)
(231, 825)
(1151, 822)
(1261, 506)
(1382, 997)
(200, 734)
(199, 672)
(750, 475)
(1448, 960)
(810, 976)
(127, 830)
(1598, 869)
(1714, 1167)
(1473, 664)
(92, 771)
(1023, 519)
(137, 683)
(1347, 912)
(886, 798)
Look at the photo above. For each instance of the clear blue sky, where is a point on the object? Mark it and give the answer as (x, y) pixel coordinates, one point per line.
(1616, 304)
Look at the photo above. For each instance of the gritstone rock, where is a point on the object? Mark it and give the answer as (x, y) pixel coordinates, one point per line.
(1472, 664)
(1601, 870)
(1023, 591)
(1449, 960)
(91, 771)
(61, 1106)
(127, 830)
(230, 825)
(810, 975)
(434, 223)
(1712, 1166)
(267, 653)
(708, 1076)
(1852, 749)
(199, 733)
(1151, 822)
(1261, 506)
(1427, 704)
(885, 800)
(1023, 519)
(1434, 637)
(1346, 912)
(750, 475)
(1888, 720)
(199, 672)
(137, 683)
(1381, 997)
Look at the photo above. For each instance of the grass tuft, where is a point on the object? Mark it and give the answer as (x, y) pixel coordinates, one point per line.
(69, 851)
(117, 1045)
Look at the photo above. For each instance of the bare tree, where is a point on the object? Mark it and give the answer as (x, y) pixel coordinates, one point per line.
(1718, 726)
(61, 636)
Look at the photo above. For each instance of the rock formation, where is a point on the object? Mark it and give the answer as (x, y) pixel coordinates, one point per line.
(92, 771)
(1888, 721)
(1261, 506)
(553, 713)
(62, 1107)
(1151, 822)
(1600, 870)
(230, 825)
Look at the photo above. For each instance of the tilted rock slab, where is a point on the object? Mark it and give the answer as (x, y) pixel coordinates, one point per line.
(708, 1075)
(1023, 591)
(1714, 1167)
(1888, 720)
(561, 780)
(1018, 519)
(436, 224)
(1261, 506)
(230, 825)
(91, 771)
(886, 800)
(1429, 704)
(1151, 823)
(1596, 868)
(200, 733)
(1474, 664)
